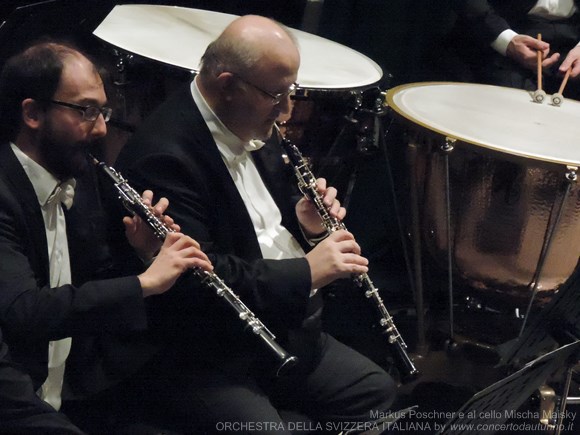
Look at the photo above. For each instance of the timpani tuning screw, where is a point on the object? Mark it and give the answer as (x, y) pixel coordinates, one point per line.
(557, 99)
(383, 99)
(122, 61)
(449, 144)
(539, 96)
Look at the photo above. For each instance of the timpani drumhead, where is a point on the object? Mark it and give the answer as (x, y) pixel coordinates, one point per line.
(178, 36)
(498, 118)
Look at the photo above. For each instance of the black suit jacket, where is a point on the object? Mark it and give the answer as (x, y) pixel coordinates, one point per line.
(21, 411)
(486, 19)
(31, 313)
(174, 154)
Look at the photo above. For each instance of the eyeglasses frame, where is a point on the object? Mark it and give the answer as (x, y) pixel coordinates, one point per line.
(276, 98)
(105, 111)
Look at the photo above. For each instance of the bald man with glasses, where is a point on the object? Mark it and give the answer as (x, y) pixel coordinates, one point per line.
(204, 148)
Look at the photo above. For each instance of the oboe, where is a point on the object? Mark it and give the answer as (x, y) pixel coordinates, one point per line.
(307, 185)
(135, 205)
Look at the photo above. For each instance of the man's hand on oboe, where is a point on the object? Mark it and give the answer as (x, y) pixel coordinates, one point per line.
(178, 254)
(338, 256)
(140, 235)
(307, 212)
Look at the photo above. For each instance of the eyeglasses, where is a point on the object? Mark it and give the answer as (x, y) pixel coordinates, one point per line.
(276, 98)
(90, 113)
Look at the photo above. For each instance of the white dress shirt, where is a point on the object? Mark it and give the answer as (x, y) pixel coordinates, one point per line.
(51, 194)
(276, 242)
(549, 9)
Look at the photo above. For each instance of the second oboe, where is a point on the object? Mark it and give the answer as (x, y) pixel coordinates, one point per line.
(307, 185)
(133, 202)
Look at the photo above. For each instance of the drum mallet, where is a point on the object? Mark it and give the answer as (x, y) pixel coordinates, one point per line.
(558, 98)
(539, 95)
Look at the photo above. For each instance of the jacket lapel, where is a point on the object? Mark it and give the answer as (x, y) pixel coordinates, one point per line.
(21, 190)
(204, 154)
(281, 183)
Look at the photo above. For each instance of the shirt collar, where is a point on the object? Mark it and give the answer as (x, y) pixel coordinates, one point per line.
(231, 147)
(43, 182)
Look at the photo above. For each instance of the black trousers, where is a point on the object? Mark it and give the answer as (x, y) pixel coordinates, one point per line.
(21, 411)
(333, 388)
(339, 385)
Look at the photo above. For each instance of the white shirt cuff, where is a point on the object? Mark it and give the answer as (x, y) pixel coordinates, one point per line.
(313, 241)
(503, 40)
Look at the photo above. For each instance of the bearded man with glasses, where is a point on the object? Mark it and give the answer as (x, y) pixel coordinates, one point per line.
(204, 149)
(65, 309)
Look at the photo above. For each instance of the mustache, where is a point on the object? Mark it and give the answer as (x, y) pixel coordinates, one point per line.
(88, 147)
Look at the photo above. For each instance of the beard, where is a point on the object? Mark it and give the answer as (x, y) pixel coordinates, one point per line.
(64, 159)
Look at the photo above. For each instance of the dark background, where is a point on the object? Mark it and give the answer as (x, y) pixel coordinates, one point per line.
(407, 38)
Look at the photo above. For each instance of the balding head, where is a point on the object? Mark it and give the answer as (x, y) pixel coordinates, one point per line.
(261, 33)
(248, 43)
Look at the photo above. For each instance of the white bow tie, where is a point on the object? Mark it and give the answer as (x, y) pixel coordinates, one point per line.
(64, 193)
(254, 145)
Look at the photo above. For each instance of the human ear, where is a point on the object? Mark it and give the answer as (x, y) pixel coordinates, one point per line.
(225, 82)
(32, 113)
